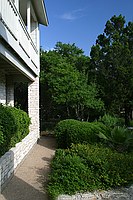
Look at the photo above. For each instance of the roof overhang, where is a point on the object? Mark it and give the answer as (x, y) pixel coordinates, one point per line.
(40, 10)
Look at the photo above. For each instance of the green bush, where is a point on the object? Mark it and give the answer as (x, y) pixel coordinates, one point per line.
(1, 136)
(22, 122)
(72, 131)
(14, 125)
(111, 121)
(87, 168)
(119, 138)
(131, 123)
(68, 174)
(116, 136)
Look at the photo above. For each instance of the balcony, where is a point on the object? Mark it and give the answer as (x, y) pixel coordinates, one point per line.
(14, 32)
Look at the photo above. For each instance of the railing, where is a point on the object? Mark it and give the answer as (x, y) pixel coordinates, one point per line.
(13, 21)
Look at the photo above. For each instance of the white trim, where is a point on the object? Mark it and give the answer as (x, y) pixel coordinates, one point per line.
(15, 62)
(17, 48)
(29, 16)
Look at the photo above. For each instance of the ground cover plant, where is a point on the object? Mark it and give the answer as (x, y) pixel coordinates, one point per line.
(14, 126)
(87, 167)
(92, 156)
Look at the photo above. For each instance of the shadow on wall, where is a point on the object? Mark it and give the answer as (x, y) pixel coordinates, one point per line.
(6, 168)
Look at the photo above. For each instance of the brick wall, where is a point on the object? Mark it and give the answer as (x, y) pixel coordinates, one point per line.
(10, 160)
(33, 106)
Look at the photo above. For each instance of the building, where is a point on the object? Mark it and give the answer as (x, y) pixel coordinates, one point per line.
(20, 56)
(19, 51)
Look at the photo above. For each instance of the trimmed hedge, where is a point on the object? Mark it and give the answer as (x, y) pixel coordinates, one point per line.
(88, 168)
(73, 131)
(14, 126)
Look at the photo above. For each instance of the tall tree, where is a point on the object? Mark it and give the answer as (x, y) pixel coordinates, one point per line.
(65, 84)
(112, 61)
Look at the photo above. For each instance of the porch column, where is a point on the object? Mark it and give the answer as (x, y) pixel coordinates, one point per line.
(33, 106)
(2, 88)
(9, 92)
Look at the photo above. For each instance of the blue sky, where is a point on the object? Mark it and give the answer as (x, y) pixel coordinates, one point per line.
(80, 21)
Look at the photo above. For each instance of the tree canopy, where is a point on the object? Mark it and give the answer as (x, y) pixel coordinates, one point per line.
(76, 86)
(65, 84)
(112, 61)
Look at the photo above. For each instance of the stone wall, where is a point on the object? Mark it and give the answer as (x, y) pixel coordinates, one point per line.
(33, 105)
(121, 194)
(10, 160)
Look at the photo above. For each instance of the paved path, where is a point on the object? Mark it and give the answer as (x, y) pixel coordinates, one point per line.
(30, 179)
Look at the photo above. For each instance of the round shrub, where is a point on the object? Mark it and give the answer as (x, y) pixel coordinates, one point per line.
(9, 127)
(22, 121)
(14, 126)
(1, 136)
(73, 131)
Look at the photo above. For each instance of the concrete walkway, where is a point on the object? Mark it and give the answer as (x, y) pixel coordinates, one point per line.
(29, 181)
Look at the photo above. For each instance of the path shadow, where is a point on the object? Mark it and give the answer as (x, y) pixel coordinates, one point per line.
(19, 188)
(47, 142)
(23, 191)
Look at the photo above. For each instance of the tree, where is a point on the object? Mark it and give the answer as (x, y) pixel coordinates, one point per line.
(65, 85)
(112, 61)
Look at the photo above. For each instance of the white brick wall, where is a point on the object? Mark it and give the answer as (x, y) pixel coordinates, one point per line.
(13, 158)
(10, 160)
(33, 106)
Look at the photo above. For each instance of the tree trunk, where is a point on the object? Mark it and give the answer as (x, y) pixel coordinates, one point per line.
(127, 115)
(68, 112)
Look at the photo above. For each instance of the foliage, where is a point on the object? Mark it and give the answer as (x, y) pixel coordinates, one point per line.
(1, 136)
(74, 131)
(119, 138)
(87, 168)
(111, 121)
(14, 125)
(112, 64)
(65, 87)
(22, 121)
(131, 123)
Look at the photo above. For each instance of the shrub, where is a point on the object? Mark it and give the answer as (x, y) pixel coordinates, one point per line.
(1, 136)
(69, 174)
(87, 168)
(111, 121)
(72, 131)
(22, 121)
(131, 123)
(119, 138)
(14, 125)
(116, 134)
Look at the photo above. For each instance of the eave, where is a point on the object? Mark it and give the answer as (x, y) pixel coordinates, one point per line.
(41, 12)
